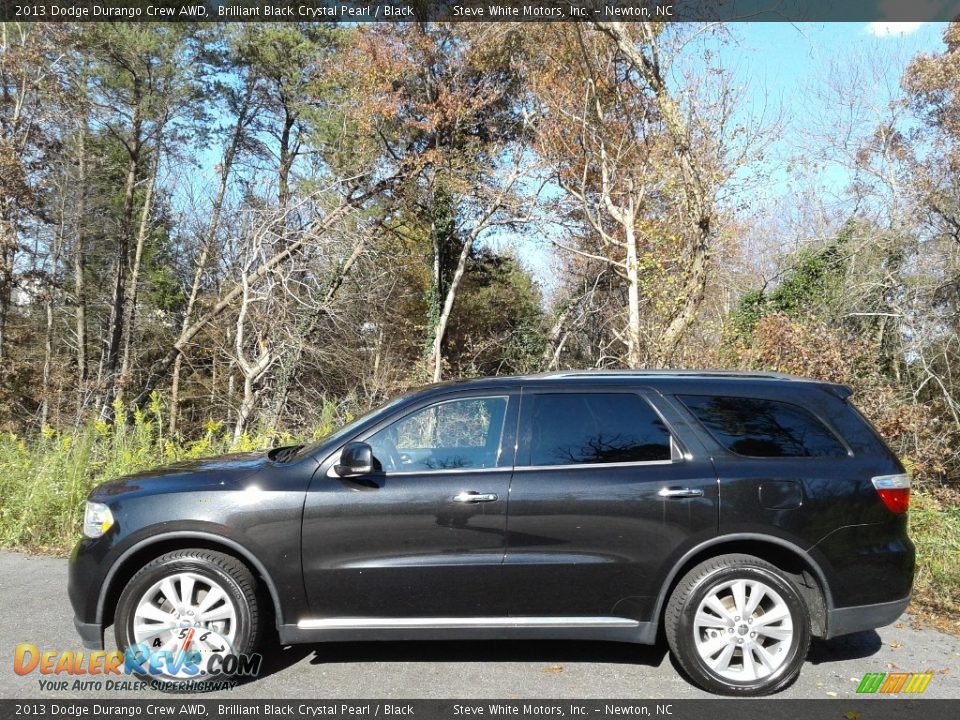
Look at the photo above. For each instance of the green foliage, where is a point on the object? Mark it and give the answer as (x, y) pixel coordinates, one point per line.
(45, 478)
(752, 308)
(495, 327)
(812, 287)
(813, 283)
(935, 529)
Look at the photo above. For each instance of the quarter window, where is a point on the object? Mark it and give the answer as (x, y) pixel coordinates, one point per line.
(571, 428)
(450, 435)
(757, 427)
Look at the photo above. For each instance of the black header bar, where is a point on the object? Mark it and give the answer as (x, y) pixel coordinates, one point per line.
(359, 11)
(220, 708)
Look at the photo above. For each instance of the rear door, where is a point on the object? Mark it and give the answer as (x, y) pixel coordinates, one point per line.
(608, 486)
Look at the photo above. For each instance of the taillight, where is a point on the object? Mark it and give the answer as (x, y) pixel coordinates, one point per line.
(894, 490)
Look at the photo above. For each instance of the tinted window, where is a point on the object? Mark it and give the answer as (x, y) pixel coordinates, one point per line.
(764, 428)
(595, 428)
(449, 435)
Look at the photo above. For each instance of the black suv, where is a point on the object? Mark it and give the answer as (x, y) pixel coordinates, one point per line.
(740, 514)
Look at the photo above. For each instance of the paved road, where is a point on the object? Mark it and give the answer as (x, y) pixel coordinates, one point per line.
(34, 608)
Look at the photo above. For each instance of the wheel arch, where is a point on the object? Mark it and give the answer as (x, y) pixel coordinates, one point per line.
(808, 575)
(136, 556)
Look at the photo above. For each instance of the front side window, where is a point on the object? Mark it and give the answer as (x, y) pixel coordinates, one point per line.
(452, 435)
(577, 428)
(757, 427)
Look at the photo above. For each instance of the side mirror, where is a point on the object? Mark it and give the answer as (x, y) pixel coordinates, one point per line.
(356, 460)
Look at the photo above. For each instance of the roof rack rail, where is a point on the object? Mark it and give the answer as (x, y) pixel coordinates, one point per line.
(665, 372)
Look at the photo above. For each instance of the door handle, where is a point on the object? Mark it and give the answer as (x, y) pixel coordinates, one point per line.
(680, 492)
(472, 496)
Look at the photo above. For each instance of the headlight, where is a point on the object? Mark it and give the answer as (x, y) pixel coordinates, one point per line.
(97, 519)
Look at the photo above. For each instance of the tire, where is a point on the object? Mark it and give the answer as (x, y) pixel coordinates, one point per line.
(223, 598)
(738, 653)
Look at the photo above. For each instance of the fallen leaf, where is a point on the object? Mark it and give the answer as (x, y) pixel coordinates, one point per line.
(896, 644)
(553, 669)
(899, 626)
(852, 715)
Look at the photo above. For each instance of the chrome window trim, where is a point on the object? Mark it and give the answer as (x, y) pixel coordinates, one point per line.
(445, 471)
(573, 466)
(630, 463)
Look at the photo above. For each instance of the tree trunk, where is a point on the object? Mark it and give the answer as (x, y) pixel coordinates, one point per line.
(8, 256)
(118, 302)
(252, 371)
(226, 167)
(246, 407)
(130, 309)
(436, 358)
(633, 292)
(289, 370)
(436, 355)
(550, 359)
(695, 179)
(187, 315)
(79, 289)
(48, 310)
(693, 292)
(287, 156)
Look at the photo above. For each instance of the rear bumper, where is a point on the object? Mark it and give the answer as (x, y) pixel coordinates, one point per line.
(843, 621)
(91, 634)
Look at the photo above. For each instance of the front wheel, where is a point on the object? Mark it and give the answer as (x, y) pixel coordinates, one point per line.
(738, 626)
(183, 608)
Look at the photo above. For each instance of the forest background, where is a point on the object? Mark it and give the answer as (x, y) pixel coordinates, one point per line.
(230, 237)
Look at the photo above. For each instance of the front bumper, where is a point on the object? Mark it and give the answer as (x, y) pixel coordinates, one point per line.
(843, 621)
(91, 634)
(84, 581)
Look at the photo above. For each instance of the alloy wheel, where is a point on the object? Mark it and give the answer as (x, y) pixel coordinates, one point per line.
(743, 630)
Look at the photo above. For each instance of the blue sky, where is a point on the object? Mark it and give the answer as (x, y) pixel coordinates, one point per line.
(777, 63)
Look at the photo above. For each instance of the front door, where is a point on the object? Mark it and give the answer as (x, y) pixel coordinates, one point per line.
(605, 491)
(424, 535)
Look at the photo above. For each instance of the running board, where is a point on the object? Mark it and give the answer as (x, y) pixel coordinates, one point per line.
(312, 630)
(368, 623)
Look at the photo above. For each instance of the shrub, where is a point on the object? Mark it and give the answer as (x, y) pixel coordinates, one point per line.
(45, 479)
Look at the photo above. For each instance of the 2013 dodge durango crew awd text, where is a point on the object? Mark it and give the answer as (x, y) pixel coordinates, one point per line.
(741, 513)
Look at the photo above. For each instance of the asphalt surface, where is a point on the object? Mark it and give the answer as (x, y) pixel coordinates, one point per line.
(34, 609)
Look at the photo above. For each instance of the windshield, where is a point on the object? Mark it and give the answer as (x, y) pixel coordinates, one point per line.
(347, 429)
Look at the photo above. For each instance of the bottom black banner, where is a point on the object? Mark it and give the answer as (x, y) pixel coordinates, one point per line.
(880, 708)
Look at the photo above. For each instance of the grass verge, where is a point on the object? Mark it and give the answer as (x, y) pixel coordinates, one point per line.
(935, 530)
(45, 479)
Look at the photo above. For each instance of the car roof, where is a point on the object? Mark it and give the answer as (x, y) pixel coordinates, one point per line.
(653, 378)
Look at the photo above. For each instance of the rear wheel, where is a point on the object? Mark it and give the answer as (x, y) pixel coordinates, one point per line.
(738, 626)
(194, 601)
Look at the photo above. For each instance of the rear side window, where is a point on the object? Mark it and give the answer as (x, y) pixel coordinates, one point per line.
(572, 428)
(757, 427)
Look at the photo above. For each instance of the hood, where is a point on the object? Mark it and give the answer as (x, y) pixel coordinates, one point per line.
(215, 473)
